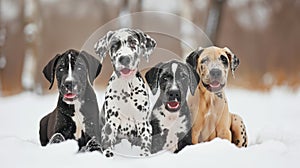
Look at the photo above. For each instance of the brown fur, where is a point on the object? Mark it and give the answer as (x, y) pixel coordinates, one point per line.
(209, 107)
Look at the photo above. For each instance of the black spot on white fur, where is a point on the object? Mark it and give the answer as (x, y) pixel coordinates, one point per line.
(126, 99)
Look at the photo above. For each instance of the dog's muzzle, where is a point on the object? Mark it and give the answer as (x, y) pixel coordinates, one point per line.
(214, 84)
(70, 91)
(173, 103)
(124, 69)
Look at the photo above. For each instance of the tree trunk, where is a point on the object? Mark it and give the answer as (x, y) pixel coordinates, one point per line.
(214, 19)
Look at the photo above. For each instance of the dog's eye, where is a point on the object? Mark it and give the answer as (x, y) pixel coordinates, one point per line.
(131, 44)
(116, 45)
(224, 60)
(204, 60)
(61, 69)
(182, 75)
(167, 77)
(79, 67)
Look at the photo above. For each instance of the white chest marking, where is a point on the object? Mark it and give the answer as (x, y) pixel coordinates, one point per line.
(172, 122)
(70, 76)
(174, 68)
(78, 119)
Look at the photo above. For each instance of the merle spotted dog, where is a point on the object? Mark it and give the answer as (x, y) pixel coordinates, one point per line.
(76, 115)
(171, 118)
(126, 112)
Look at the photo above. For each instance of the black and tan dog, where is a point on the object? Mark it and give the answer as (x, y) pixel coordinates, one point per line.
(171, 118)
(209, 105)
(76, 115)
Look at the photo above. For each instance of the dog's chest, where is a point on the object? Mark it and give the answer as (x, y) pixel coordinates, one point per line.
(78, 118)
(174, 123)
(129, 98)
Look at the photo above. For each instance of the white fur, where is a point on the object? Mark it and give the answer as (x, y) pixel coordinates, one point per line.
(70, 76)
(78, 119)
(174, 68)
(173, 123)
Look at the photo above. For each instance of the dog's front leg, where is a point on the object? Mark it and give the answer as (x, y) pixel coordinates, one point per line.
(196, 129)
(223, 126)
(108, 138)
(145, 131)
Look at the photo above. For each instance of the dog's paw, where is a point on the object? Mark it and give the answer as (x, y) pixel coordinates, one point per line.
(144, 154)
(93, 145)
(108, 153)
(57, 138)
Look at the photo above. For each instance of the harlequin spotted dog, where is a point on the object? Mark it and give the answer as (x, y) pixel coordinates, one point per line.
(212, 117)
(171, 118)
(126, 107)
(76, 115)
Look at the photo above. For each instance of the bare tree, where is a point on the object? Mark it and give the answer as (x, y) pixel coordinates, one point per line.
(214, 19)
(32, 31)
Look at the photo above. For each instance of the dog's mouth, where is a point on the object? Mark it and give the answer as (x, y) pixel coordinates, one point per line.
(214, 86)
(125, 72)
(70, 97)
(173, 106)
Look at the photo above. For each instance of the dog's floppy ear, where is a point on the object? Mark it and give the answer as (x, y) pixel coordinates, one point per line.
(234, 60)
(101, 46)
(194, 79)
(152, 77)
(49, 70)
(147, 43)
(94, 65)
(192, 59)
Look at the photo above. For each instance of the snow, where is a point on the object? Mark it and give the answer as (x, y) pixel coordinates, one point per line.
(272, 120)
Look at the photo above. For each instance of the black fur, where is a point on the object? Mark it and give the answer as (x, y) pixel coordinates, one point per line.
(60, 120)
(162, 76)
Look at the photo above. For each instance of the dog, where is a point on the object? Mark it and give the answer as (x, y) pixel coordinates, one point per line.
(76, 115)
(171, 118)
(211, 116)
(126, 111)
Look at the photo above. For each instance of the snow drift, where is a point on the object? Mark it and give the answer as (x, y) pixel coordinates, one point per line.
(272, 120)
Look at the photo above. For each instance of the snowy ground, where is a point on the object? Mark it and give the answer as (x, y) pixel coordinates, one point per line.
(272, 121)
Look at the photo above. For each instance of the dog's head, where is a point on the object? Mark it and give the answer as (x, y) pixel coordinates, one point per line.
(125, 47)
(174, 80)
(73, 70)
(212, 65)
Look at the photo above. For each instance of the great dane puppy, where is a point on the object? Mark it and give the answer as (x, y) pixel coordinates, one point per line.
(76, 115)
(171, 118)
(212, 117)
(126, 112)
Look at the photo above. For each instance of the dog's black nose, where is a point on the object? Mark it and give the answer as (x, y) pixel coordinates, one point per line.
(215, 73)
(174, 94)
(70, 85)
(124, 60)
